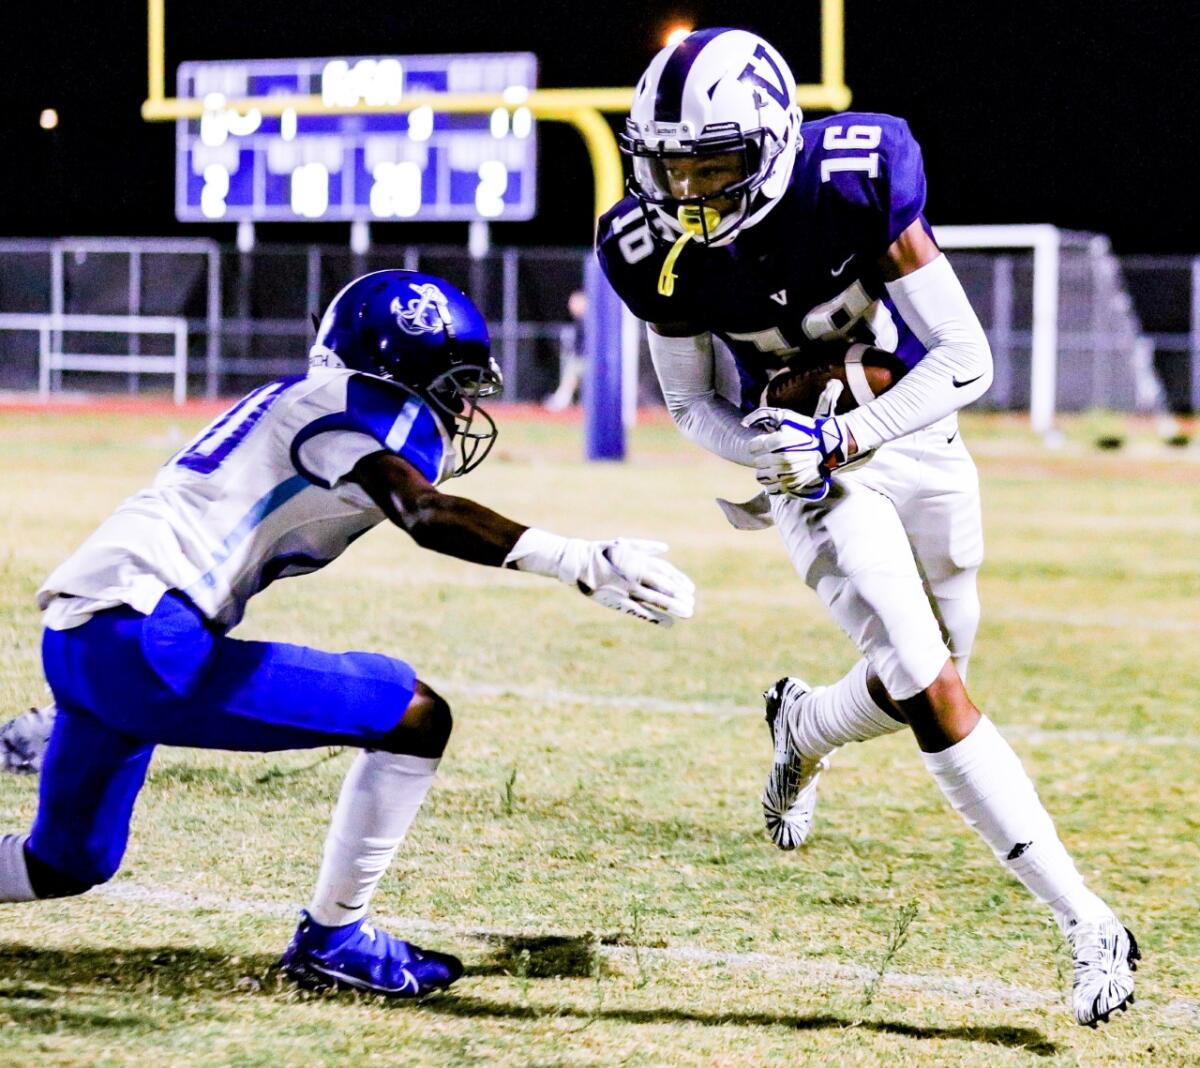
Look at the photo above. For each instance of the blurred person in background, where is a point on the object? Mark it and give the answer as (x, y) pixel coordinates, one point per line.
(571, 356)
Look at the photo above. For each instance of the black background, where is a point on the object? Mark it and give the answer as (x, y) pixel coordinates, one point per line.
(1081, 115)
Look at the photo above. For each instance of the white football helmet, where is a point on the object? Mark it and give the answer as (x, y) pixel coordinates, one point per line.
(713, 133)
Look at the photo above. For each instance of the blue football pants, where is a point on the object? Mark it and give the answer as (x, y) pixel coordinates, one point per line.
(124, 683)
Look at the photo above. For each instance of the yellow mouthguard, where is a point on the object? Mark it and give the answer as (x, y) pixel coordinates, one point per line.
(691, 220)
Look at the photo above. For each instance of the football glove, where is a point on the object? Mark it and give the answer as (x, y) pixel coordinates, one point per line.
(624, 574)
(796, 454)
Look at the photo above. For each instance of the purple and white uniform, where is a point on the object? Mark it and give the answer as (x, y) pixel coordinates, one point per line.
(809, 273)
(905, 526)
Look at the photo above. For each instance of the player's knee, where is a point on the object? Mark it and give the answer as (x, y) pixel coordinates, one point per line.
(425, 728)
(49, 882)
(433, 720)
(957, 600)
(940, 705)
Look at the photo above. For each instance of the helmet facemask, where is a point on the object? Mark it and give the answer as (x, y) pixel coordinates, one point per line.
(721, 100)
(454, 396)
(707, 186)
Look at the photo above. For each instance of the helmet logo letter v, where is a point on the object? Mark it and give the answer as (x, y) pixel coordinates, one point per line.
(776, 89)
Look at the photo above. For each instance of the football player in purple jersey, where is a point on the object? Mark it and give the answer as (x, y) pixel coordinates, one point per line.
(755, 245)
(137, 649)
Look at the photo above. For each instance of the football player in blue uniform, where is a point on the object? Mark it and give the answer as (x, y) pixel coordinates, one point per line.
(137, 649)
(770, 257)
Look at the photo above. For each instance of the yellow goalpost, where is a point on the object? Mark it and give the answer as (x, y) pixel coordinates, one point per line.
(582, 108)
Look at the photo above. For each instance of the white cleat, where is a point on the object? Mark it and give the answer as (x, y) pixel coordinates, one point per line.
(23, 740)
(790, 796)
(1105, 955)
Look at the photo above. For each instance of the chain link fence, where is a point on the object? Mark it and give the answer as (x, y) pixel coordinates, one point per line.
(1126, 326)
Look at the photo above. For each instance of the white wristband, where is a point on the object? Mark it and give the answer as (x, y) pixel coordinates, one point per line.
(538, 552)
(856, 377)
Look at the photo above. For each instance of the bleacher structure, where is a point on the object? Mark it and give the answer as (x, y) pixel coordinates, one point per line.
(1064, 329)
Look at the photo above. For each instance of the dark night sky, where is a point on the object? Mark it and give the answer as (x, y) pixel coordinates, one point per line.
(1080, 114)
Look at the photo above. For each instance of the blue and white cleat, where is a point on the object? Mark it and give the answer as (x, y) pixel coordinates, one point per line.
(23, 740)
(789, 799)
(361, 957)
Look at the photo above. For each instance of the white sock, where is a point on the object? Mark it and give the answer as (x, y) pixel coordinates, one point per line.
(14, 875)
(379, 799)
(831, 716)
(984, 780)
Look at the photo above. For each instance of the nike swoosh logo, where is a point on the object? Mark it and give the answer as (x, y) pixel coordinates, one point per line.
(835, 271)
(959, 385)
(951, 438)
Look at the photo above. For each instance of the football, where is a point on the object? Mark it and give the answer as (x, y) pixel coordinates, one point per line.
(798, 386)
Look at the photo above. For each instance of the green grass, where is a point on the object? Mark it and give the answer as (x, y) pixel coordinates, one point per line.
(600, 863)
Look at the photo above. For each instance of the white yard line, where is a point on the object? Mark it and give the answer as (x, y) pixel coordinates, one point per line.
(808, 971)
(791, 594)
(1091, 620)
(629, 702)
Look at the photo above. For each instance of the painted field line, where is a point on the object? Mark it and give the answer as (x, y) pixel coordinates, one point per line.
(1089, 621)
(793, 596)
(809, 972)
(629, 702)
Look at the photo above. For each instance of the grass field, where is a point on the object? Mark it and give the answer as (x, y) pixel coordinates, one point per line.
(594, 848)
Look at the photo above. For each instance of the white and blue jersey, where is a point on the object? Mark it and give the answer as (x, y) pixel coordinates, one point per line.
(809, 273)
(259, 494)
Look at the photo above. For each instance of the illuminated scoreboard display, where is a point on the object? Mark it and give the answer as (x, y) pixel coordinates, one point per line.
(421, 164)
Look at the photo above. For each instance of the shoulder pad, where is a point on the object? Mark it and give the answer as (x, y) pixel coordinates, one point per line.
(399, 420)
(870, 163)
(633, 260)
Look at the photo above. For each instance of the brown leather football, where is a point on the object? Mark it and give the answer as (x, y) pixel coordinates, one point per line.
(799, 386)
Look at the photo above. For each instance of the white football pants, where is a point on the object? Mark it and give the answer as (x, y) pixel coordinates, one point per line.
(893, 553)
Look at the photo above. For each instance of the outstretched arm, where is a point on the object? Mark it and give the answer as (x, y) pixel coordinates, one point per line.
(623, 574)
(446, 524)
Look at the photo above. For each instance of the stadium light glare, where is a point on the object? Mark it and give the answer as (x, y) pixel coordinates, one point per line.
(48, 119)
(675, 34)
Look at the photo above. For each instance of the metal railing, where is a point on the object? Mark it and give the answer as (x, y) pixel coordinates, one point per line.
(248, 314)
(52, 360)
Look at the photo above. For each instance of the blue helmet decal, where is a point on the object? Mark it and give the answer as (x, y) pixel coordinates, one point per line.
(425, 313)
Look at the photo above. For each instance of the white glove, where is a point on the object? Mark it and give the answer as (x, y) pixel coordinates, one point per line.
(796, 453)
(624, 574)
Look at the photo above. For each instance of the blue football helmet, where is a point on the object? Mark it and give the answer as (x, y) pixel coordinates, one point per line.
(418, 331)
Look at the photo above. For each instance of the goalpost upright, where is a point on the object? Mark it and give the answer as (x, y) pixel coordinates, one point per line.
(1044, 240)
(606, 387)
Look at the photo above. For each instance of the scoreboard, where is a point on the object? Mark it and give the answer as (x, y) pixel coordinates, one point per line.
(372, 166)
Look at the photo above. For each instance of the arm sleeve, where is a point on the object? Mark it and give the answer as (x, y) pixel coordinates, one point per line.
(957, 366)
(685, 370)
(375, 415)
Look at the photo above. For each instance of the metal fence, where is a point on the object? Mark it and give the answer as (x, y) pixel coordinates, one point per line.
(249, 315)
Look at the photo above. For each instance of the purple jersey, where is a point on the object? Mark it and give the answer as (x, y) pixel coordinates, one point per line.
(807, 272)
